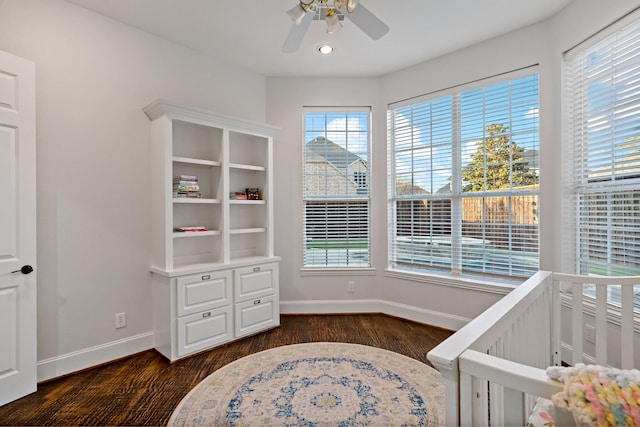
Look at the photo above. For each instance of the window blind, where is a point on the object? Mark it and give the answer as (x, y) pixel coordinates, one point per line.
(603, 94)
(336, 188)
(464, 180)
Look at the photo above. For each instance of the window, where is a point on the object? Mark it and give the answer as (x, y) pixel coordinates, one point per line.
(336, 188)
(464, 180)
(603, 85)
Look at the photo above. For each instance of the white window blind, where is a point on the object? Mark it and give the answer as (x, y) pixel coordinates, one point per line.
(464, 180)
(603, 93)
(336, 188)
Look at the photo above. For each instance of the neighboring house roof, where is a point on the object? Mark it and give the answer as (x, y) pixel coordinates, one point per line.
(445, 189)
(329, 169)
(405, 188)
(332, 152)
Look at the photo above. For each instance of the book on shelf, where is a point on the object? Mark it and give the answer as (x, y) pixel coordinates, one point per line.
(187, 195)
(237, 196)
(191, 229)
(252, 193)
(185, 186)
(185, 178)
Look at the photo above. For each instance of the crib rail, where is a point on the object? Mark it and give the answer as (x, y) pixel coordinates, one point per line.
(494, 366)
(516, 328)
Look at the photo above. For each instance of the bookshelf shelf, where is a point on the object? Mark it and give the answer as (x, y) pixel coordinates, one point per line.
(196, 162)
(246, 202)
(195, 234)
(186, 201)
(248, 230)
(252, 168)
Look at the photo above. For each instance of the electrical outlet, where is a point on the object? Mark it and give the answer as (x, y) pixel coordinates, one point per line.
(351, 286)
(590, 333)
(120, 320)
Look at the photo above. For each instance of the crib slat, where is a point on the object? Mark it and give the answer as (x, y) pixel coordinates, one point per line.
(480, 392)
(626, 331)
(601, 324)
(513, 407)
(556, 300)
(497, 404)
(576, 322)
(466, 399)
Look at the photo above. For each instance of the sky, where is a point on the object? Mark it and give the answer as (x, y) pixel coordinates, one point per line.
(426, 147)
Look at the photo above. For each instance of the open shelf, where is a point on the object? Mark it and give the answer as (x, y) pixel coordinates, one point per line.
(196, 141)
(225, 155)
(196, 162)
(190, 200)
(245, 245)
(246, 202)
(247, 230)
(247, 167)
(195, 234)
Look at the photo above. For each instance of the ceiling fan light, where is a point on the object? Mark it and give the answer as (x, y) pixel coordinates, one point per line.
(326, 49)
(333, 23)
(296, 13)
(351, 5)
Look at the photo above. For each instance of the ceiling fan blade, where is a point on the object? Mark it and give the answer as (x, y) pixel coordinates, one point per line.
(368, 22)
(296, 34)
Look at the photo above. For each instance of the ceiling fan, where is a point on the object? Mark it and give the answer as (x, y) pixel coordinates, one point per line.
(332, 12)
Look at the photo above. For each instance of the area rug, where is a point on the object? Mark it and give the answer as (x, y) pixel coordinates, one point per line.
(317, 384)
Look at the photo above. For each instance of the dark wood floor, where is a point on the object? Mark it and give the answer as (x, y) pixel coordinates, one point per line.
(144, 389)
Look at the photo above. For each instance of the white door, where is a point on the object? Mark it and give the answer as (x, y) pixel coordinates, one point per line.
(18, 371)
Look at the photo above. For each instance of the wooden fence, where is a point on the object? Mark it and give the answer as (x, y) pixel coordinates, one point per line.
(504, 222)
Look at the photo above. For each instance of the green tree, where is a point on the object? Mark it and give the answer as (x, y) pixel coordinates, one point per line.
(498, 163)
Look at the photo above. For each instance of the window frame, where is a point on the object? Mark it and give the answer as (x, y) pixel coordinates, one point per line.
(455, 276)
(581, 180)
(310, 270)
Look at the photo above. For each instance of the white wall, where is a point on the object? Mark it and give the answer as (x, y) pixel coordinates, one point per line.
(437, 300)
(94, 75)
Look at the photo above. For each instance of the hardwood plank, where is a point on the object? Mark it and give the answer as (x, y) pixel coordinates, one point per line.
(144, 389)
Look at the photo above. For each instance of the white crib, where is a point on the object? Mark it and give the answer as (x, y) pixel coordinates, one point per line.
(494, 367)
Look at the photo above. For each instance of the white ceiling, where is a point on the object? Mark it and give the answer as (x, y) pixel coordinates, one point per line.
(250, 33)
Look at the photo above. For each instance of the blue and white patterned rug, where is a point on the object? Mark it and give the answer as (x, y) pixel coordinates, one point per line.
(317, 384)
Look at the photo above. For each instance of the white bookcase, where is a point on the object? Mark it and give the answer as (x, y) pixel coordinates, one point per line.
(199, 277)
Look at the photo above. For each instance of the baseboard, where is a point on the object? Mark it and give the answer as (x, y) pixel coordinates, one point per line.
(68, 363)
(416, 314)
(89, 357)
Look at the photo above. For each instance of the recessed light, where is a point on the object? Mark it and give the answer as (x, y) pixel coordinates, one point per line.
(326, 49)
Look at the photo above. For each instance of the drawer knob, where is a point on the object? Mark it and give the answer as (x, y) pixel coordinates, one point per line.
(207, 277)
(256, 302)
(207, 314)
(256, 269)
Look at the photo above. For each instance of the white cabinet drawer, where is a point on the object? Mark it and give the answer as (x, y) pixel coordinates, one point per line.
(255, 281)
(203, 330)
(257, 315)
(203, 291)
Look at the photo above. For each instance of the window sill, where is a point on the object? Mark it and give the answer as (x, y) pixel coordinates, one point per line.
(336, 271)
(495, 286)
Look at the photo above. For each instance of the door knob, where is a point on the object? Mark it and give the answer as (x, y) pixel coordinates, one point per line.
(26, 269)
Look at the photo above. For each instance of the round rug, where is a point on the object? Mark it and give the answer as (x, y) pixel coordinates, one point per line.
(317, 384)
